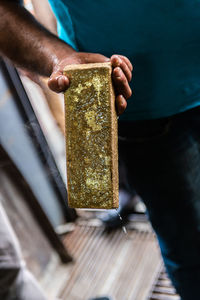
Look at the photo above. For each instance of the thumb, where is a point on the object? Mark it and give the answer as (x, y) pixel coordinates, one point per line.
(58, 82)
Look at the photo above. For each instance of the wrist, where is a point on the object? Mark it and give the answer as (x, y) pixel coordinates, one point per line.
(60, 51)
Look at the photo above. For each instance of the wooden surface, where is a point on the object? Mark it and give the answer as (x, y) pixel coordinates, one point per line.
(121, 266)
(162, 288)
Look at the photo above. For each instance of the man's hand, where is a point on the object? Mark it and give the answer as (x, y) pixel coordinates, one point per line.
(122, 74)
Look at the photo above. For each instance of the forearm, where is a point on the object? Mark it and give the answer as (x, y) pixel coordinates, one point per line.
(27, 43)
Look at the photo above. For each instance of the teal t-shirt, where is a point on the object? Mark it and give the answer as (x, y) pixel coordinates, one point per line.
(161, 38)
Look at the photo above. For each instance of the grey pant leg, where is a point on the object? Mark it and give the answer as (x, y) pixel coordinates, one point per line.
(16, 282)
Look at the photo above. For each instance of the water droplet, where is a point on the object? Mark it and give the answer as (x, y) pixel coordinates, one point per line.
(123, 227)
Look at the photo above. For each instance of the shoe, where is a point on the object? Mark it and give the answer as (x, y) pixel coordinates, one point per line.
(128, 205)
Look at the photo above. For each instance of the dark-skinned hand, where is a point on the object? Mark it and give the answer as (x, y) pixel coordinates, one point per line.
(121, 74)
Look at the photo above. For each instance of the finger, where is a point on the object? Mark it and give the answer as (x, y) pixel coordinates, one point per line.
(58, 83)
(116, 61)
(127, 61)
(121, 104)
(121, 84)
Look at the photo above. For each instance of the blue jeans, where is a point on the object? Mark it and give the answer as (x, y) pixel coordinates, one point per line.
(162, 158)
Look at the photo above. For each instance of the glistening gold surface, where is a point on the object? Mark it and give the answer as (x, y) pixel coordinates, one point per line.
(88, 138)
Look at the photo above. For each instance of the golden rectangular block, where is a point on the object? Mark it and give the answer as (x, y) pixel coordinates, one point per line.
(91, 137)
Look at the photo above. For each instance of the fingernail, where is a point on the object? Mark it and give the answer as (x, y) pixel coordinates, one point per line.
(119, 61)
(61, 81)
(118, 72)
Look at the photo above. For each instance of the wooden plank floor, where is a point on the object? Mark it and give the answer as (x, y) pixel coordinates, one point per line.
(123, 266)
(162, 289)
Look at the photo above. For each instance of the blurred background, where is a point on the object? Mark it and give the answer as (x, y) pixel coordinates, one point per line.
(75, 255)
